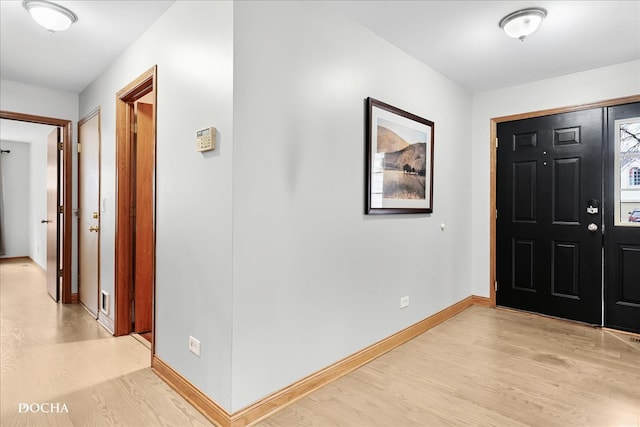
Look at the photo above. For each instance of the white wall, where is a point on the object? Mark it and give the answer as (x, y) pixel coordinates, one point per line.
(574, 89)
(21, 98)
(315, 279)
(38, 198)
(192, 45)
(263, 251)
(17, 209)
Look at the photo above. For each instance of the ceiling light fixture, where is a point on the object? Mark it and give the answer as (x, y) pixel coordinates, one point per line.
(522, 23)
(49, 15)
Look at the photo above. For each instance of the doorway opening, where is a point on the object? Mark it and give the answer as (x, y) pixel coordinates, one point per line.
(552, 216)
(58, 222)
(135, 207)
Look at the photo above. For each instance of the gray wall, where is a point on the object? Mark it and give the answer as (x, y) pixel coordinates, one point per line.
(17, 206)
(30, 144)
(315, 279)
(263, 251)
(38, 197)
(293, 282)
(191, 43)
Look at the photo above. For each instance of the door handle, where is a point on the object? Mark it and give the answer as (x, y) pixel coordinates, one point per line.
(94, 228)
(45, 221)
(592, 227)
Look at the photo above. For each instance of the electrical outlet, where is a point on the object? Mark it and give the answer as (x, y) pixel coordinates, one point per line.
(194, 346)
(404, 302)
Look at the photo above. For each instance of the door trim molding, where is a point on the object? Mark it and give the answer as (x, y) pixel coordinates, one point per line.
(67, 174)
(493, 128)
(124, 227)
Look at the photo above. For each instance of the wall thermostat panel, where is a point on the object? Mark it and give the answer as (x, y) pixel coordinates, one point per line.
(206, 139)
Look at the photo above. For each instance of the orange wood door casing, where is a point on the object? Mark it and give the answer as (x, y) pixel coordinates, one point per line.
(144, 218)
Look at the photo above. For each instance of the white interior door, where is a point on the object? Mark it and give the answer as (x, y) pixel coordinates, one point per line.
(89, 213)
(53, 220)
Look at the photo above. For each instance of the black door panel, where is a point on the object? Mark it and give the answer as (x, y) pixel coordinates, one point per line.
(548, 261)
(622, 271)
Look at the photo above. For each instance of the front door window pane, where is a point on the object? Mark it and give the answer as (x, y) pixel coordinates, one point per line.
(627, 179)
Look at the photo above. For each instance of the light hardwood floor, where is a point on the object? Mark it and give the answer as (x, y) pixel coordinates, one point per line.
(483, 367)
(486, 367)
(53, 353)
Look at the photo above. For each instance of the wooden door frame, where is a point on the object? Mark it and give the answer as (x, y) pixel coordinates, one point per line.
(91, 115)
(493, 166)
(67, 171)
(125, 194)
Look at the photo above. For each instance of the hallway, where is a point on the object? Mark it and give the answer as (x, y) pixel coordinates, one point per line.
(482, 367)
(53, 353)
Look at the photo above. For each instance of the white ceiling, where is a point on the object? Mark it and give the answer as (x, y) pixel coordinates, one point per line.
(15, 131)
(70, 60)
(460, 39)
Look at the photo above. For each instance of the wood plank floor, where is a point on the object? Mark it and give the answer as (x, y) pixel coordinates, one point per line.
(483, 367)
(59, 354)
(486, 367)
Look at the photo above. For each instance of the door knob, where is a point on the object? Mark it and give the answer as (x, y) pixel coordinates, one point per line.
(45, 221)
(94, 228)
(592, 227)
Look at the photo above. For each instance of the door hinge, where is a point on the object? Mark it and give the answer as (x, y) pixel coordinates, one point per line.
(496, 213)
(135, 127)
(496, 142)
(60, 273)
(495, 286)
(60, 209)
(79, 148)
(60, 147)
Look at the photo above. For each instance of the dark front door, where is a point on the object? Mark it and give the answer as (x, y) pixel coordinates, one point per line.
(548, 243)
(622, 261)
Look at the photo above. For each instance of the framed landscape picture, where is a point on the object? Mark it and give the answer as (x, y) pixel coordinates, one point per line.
(399, 161)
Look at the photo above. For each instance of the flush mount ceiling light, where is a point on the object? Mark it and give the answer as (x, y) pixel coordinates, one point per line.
(49, 15)
(522, 23)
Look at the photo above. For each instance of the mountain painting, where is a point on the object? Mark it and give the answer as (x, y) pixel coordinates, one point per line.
(404, 167)
(399, 169)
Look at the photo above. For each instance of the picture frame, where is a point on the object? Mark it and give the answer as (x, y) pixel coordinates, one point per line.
(399, 161)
